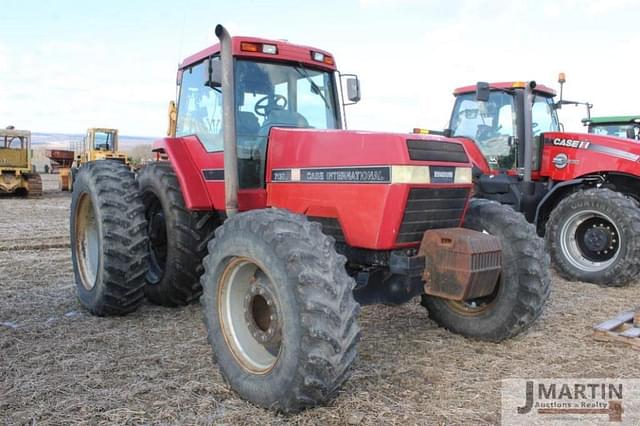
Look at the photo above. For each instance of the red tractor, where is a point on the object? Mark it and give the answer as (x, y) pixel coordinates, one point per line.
(581, 191)
(283, 224)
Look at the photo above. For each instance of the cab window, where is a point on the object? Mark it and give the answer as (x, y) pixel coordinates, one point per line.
(200, 109)
(490, 124)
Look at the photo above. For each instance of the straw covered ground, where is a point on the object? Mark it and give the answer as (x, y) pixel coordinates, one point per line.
(60, 365)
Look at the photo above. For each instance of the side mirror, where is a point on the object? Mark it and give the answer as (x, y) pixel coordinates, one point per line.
(213, 73)
(353, 89)
(482, 91)
(631, 134)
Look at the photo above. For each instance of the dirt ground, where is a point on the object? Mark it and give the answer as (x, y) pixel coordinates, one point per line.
(59, 365)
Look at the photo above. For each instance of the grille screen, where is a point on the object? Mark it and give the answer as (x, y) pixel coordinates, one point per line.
(429, 208)
(436, 151)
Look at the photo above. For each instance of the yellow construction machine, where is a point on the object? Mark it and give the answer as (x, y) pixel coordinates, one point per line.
(16, 175)
(98, 144)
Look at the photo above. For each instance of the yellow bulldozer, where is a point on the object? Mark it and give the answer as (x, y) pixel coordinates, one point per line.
(16, 175)
(98, 144)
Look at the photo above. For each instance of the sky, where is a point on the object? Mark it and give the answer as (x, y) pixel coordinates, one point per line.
(69, 65)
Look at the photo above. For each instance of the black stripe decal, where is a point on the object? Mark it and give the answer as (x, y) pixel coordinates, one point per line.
(590, 146)
(213, 174)
(375, 174)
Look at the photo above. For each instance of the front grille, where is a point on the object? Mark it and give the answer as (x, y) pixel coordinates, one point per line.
(429, 208)
(436, 151)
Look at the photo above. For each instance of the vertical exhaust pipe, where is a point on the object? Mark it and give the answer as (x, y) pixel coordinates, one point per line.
(228, 123)
(528, 130)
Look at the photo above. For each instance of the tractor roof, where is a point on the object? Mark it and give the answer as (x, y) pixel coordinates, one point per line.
(285, 51)
(542, 89)
(614, 119)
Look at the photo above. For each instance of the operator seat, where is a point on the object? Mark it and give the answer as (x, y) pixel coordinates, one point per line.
(247, 123)
(283, 118)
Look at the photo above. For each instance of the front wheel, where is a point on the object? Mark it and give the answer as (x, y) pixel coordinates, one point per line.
(593, 236)
(279, 309)
(522, 288)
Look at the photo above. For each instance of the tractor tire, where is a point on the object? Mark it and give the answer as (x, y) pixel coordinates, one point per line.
(35, 185)
(177, 238)
(593, 235)
(108, 238)
(523, 286)
(279, 310)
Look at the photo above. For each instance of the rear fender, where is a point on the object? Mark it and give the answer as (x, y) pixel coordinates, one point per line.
(192, 184)
(553, 197)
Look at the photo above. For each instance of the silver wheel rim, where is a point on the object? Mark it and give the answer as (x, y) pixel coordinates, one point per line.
(249, 315)
(87, 242)
(570, 242)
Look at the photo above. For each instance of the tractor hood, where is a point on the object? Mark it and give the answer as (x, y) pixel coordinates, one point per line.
(605, 145)
(306, 148)
(569, 155)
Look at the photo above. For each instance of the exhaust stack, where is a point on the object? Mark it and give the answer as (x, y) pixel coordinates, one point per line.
(228, 123)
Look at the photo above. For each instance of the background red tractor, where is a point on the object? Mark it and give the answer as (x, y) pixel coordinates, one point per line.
(284, 224)
(580, 190)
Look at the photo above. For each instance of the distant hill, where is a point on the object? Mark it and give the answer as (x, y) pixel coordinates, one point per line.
(68, 140)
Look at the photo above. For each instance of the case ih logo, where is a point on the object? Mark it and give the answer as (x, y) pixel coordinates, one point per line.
(571, 143)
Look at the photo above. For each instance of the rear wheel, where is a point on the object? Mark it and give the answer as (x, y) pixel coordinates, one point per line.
(279, 310)
(522, 288)
(594, 235)
(108, 239)
(177, 238)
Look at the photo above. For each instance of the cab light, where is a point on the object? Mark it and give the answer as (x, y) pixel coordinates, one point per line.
(321, 57)
(269, 49)
(249, 47)
(519, 84)
(419, 131)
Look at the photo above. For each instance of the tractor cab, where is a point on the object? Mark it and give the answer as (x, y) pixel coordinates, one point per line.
(627, 127)
(104, 140)
(491, 118)
(270, 91)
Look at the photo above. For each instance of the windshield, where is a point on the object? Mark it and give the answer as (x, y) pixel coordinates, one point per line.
(493, 124)
(268, 94)
(629, 131)
(103, 141)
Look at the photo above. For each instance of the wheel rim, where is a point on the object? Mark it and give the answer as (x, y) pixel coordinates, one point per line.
(250, 315)
(87, 242)
(590, 240)
(157, 232)
(477, 306)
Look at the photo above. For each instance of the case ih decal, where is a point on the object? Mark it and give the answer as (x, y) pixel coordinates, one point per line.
(376, 174)
(584, 144)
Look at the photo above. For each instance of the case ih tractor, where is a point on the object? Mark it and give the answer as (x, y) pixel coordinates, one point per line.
(580, 190)
(284, 224)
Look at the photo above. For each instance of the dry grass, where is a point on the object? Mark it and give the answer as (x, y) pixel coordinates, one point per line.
(59, 365)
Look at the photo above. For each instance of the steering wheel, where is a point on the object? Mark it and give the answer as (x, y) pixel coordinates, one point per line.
(266, 104)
